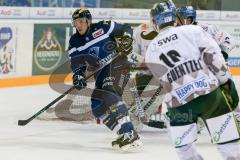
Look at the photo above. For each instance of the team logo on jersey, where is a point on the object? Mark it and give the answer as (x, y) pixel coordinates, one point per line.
(98, 33)
(167, 39)
(48, 51)
(94, 51)
(149, 36)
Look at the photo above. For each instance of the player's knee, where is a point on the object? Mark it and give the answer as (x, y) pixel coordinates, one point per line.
(98, 109)
(102, 100)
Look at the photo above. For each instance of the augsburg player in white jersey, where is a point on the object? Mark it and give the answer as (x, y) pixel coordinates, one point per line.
(143, 35)
(190, 66)
(225, 41)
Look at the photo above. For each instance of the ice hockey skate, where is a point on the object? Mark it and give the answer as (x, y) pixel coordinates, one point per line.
(128, 142)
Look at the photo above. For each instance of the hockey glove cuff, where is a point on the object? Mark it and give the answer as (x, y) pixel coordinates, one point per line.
(79, 80)
(125, 45)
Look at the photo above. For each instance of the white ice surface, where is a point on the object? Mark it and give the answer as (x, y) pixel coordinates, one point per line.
(58, 140)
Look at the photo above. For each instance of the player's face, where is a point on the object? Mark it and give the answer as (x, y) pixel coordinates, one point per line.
(81, 25)
(189, 20)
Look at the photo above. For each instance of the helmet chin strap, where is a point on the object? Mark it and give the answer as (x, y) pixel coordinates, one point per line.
(156, 28)
(154, 25)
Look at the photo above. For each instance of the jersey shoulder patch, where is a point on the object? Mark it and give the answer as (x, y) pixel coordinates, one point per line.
(100, 28)
(98, 33)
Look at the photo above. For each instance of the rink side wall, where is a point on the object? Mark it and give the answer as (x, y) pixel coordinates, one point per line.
(25, 58)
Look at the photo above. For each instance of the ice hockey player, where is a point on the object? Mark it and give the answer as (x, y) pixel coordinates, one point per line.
(142, 36)
(224, 40)
(95, 42)
(190, 66)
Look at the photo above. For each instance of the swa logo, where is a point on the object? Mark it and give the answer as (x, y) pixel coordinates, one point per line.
(167, 39)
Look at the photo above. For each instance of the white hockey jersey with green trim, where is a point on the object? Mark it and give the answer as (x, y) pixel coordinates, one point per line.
(225, 41)
(188, 62)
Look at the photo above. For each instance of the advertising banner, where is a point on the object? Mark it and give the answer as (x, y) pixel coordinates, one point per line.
(234, 62)
(106, 13)
(50, 47)
(8, 39)
(67, 12)
(100, 13)
(208, 15)
(47, 12)
(14, 12)
(136, 14)
(230, 16)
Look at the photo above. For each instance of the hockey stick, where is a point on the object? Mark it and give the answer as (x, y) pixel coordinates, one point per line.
(152, 123)
(103, 62)
(178, 16)
(138, 105)
(138, 60)
(140, 110)
(149, 103)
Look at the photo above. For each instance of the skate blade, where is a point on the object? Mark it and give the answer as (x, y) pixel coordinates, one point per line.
(133, 147)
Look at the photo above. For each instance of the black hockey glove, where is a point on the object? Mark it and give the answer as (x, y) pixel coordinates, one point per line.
(225, 55)
(125, 44)
(78, 77)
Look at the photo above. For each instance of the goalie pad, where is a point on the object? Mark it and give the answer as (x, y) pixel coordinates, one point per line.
(183, 135)
(223, 128)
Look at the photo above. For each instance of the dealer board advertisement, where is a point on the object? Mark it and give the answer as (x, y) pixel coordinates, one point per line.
(50, 47)
(8, 40)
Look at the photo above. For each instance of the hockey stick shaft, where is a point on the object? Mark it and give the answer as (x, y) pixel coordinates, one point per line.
(138, 105)
(24, 122)
(148, 104)
(103, 62)
(153, 98)
(178, 16)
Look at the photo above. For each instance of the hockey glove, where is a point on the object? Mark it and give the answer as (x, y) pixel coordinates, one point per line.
(125, 44)
(78, 77)
(225, 55)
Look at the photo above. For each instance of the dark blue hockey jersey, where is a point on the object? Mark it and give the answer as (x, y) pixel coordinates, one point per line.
(98, 42)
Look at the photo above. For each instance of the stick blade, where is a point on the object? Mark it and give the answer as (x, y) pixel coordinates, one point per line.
(22, 122)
